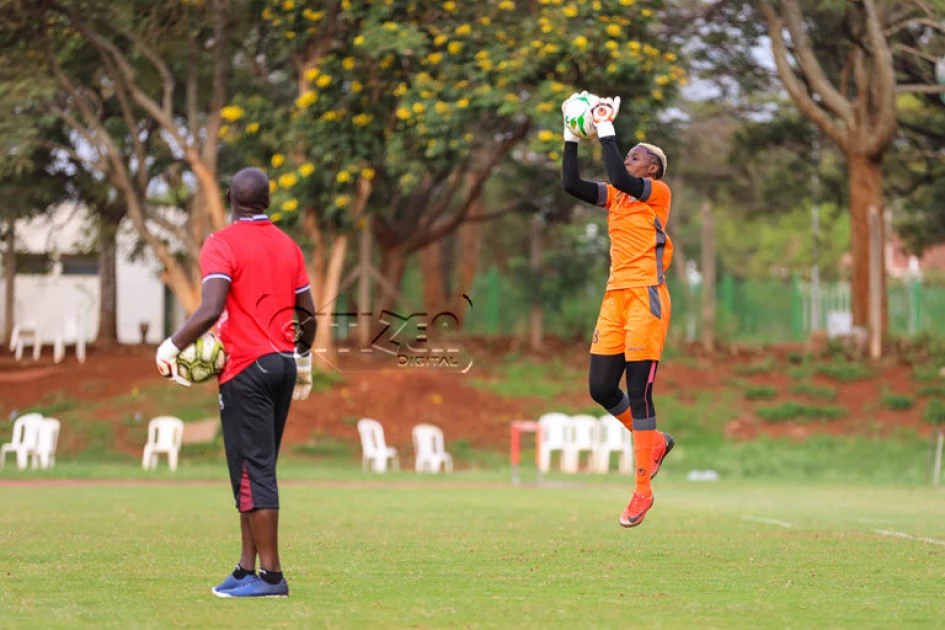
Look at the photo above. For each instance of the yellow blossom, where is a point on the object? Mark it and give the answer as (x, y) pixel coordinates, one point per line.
(482, 54)
(390, 26)
(290, 205)
(406, 179)
(356, 86)
(462, 103)
(580, 41)
(307, 99)
(640, 136)
(400, 90)
(454, 48)
(272, 186)
(657, 94)
(554, 155)
(311, 74)
(611, 45)
(312, 16)
(329, 116)
(288, 5)
(611, 68)
(387, 62)
(463, 29)
(252, 127)
(545, 135)
(449, 6)
(278, 160)
(267, 14)
(288, 180)
(507, 5)
(440, 40)
(290, 35)
(441, 107)
(323, 81)
(626, 3)
(232, 113)
(546, 107)
(613, 30)
(435, 58)
(367, 173)
(557, 87)
(426, 94)
(342, 200)
(646, 12)
(224, 131)
(276, 216)
(419, 108)
(467, 137)
(359, 40)
(343, 177)
(462, 84)
(570, 11)
(486, 20)
(306, 169)
(362, 120)
(633, 45)
(662, 80)
(403, 113)
(550, 49)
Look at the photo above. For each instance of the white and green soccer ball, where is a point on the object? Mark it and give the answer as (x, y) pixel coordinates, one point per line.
(202, 360)
(577, 114)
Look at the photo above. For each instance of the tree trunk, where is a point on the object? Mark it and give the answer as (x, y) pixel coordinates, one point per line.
(178, 280)
(393, 265)
(434, 282)
(9, 281)
(108, 301)
(325, 267)
(866, 191)
(468, 247)
(534, 246)
(708, 277)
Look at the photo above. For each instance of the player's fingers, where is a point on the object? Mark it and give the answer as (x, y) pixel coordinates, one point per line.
(616, 105)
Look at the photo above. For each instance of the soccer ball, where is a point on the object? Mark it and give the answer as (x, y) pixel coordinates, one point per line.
(577, 114)
(202, 360)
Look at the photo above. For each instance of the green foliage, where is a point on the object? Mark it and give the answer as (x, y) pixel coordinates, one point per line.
(934, 412)
(824, 392)
(898, 402)
(790, 411)
(935, 391)
(845, 372)
(925, 373)
(760, 393)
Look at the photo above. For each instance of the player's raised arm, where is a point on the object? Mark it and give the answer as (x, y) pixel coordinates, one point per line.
(604, 115)
(590, 192)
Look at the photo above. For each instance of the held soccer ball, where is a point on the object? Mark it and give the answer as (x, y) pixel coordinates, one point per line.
(202, 360)
(577, 114)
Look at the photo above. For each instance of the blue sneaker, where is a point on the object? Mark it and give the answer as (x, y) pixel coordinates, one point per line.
(258, 587)
(232, 582)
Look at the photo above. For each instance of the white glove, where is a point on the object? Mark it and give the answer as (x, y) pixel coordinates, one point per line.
(167, 362)
(303, 378)
(604, 113)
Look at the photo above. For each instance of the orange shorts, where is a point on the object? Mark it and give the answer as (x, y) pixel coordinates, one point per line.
(634, 322)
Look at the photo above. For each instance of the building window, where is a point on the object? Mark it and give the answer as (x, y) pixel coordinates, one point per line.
(33, 264)
(79, 265)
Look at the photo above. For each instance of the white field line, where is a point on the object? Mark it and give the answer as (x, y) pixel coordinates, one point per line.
(931, 541)
(769, 521)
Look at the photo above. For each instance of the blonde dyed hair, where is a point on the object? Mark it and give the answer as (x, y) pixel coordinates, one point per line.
(658, 152)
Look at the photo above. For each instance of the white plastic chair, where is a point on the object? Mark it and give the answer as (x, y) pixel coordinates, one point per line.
(23, 443)
(430, 451)
(164, 436)
(374, 449)
(580, 437)
(26, 334)
(46, 442)
(614, 438)
(72, 333)
(553, 426)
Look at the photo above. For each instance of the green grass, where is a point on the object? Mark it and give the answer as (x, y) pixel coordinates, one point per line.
(925, 373)
(796, 411)
(934, 412)
(844, 372)
(934, 391)
(759, 393)
(811, 390)
(519, 377)
(479, 555)
(755, 368)
(898, 402)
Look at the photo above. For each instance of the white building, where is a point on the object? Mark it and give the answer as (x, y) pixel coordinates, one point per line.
(57, 277)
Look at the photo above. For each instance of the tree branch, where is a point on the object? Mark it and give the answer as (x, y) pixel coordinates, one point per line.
(793, 85)
(131, 123)
(927, 22)
(920, 88)
(833, 100)
(916, 52)
(883, 124)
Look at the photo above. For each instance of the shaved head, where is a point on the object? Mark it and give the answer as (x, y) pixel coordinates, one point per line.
(249, 191)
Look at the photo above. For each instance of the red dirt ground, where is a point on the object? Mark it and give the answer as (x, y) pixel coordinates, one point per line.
(401, 398)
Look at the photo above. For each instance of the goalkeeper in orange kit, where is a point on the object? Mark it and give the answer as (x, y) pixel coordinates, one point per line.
(634, 316)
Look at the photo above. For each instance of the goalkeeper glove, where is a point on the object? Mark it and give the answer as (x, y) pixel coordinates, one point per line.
(303, 378)
(604, 114)
(569, 136)
(167, 362)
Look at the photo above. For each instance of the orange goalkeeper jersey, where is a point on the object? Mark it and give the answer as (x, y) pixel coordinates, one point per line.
(640, 250)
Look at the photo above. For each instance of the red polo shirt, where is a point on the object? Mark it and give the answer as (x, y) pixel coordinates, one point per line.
(266, 270)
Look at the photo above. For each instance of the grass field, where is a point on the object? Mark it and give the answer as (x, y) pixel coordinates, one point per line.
(471, 551)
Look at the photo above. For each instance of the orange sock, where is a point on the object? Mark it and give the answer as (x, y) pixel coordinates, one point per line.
(644, 441)
(626, 419)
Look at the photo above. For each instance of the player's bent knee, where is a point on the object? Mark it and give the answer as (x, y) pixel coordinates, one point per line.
(605, 394)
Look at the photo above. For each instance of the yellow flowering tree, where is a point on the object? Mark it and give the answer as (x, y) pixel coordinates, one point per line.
(404, 110)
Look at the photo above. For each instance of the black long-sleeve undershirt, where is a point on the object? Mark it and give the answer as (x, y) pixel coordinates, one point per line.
(617, 172)
(571, 177)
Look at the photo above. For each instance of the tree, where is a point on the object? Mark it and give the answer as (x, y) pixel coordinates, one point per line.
(843, 64)
(401, 112)
(127, 79)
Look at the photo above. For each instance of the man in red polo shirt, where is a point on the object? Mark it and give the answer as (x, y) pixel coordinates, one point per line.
(254, 286)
